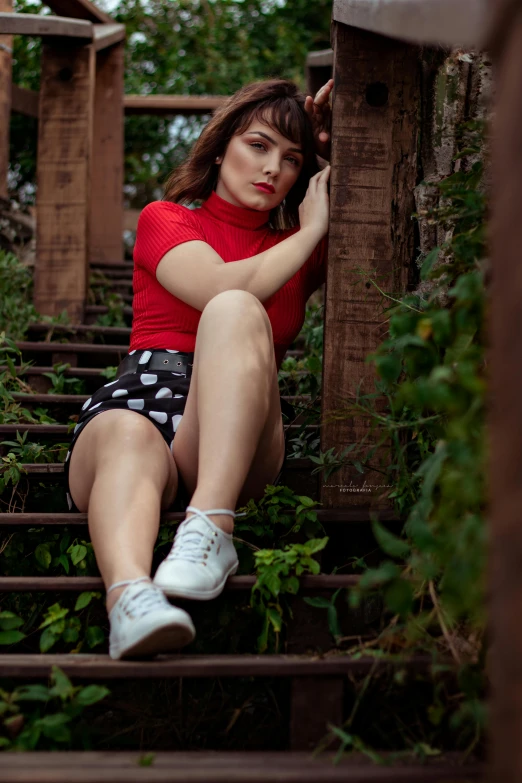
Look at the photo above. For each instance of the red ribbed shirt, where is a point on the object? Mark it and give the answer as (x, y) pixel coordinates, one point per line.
(161, 320)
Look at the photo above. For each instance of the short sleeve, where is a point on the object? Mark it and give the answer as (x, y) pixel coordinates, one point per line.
(317, 267)
(163, 225)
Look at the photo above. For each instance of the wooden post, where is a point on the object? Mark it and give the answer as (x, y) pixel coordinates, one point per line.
(374, 168)
(106, 208)
(505, 413)
(6, 57)
(63, 173)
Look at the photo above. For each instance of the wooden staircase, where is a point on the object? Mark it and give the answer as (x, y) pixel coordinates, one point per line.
(312, 678)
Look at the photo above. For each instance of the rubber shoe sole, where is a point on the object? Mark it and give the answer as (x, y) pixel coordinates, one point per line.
(197, 595)
(163, 639)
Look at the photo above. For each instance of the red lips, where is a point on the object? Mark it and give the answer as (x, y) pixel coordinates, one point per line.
(266, 187)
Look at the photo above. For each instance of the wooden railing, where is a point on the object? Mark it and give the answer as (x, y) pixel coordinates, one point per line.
(80, 108)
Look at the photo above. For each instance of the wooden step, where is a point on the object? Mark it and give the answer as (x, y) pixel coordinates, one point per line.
(61, 431)
(93, 666)
(92, 313)
(332, 516)
(42, 470)
(78, 584)
(106, 354)
(110, 334)
(73, 400)
(229, 767)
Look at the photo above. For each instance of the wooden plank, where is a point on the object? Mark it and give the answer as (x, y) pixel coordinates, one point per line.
(64, 157)
(340, 516)
(318, 69)
(6, 56)
(97, 666)
(73, 329)
(24, 101)
(374, 134)
(172, 104)
(230, 767)
(45, 26)
(79, 9)
(314, 703)
(504, 413)
(106, 35)
(106, 205)
(436, 22)
(74, 584)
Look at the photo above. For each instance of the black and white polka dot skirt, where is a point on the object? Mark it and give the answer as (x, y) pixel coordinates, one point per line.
(158, 395)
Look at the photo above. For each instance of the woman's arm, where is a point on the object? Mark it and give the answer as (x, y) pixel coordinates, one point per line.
(195, 273)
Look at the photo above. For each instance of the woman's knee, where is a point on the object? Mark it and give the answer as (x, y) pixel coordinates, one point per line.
(237, 305)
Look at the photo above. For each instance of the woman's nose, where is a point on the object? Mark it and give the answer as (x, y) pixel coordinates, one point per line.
(272, 165)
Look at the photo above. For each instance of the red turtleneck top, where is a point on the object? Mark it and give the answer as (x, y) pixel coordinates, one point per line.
(161, 320)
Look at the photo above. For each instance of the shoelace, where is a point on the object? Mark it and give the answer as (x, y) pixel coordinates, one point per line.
(189, 545)
(148, 599)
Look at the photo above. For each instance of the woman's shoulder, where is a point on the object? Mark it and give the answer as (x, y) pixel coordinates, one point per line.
(166, 211)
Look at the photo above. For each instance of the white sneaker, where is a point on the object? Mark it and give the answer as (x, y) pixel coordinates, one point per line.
(143, 622)
(201, 559)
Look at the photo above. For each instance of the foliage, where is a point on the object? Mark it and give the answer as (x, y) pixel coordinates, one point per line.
(432, 373)
(60, 383)
(12, 411)
(192, 48)
(277, 573)
(16, 285)
(46, 717)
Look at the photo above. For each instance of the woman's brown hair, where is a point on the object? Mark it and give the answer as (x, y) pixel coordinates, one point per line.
(277, 102)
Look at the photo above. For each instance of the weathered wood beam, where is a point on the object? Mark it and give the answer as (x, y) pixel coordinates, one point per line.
(107, 35)
(45, 26)
(318, 69)
(79, 9)
(63, 174)
(6, 57)
(505, 413)
(435, 22)
(106, 200)
(172, 104)
(24, 101)
(374, 169)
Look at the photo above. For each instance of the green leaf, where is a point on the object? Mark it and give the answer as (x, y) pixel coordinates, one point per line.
(62, 685)
(428, 262)
(399, 597)
(94, 636)
(375, 577)
(91, 694)
(9, 620)
(54, 726)
(11, 637)
(47, 640)
(275, 618)
(388, 542)
(83, 600)
(32, 693)
(320, 603)
(43, 555)
(78, 553)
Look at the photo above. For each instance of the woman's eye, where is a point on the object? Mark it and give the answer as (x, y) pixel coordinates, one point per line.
(257, 145)
(294, 161)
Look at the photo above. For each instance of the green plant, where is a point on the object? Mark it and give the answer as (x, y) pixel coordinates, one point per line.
(46, 717)
(278, 572)
(60, 384)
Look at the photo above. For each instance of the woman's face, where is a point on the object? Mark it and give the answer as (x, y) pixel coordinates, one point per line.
(258, 157)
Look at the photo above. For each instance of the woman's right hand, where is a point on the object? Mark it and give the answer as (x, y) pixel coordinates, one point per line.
(315, 207)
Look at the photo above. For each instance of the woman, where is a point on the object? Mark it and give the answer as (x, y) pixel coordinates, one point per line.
(207, 341)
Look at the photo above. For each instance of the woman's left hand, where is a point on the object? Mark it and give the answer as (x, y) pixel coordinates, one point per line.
(318, 109)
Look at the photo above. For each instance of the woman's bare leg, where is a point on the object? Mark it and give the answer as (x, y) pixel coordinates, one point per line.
(122, 473)
(233, 411)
